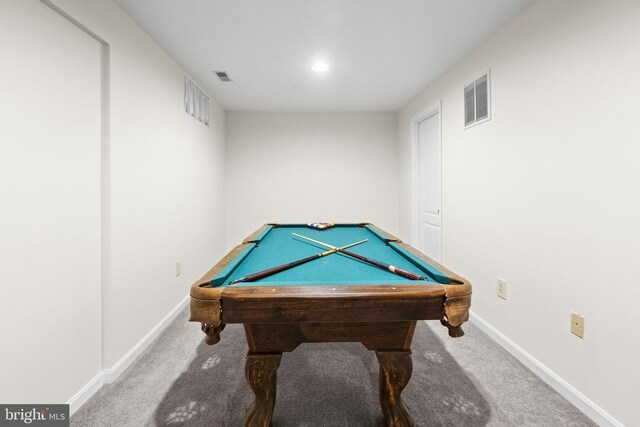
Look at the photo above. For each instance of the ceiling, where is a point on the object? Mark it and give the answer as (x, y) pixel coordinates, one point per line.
(381, 53)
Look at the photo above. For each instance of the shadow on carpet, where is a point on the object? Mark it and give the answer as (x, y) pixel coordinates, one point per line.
(327, 385)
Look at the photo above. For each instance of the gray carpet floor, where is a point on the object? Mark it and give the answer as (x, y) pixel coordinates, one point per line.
(469, 381)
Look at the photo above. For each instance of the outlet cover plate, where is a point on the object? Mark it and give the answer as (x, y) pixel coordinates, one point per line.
(577, 324)
(502, 288)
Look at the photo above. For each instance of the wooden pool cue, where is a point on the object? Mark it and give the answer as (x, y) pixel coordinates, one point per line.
(380, 264)
(264, 273)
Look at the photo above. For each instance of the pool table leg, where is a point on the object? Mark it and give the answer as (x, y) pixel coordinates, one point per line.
(395, 372)
(260, 370)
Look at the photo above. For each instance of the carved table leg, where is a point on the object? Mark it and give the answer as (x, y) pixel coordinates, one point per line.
(212, 333)
(260, 371)
(395, 371)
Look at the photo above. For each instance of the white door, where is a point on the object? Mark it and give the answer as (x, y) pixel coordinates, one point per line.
(429, 187)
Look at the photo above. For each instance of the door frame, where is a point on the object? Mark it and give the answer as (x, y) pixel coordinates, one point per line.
(425, 114)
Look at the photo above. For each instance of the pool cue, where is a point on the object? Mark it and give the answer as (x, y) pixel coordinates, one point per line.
(262, 274)
(385, 266)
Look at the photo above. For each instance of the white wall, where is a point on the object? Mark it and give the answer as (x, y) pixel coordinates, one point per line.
(546, 194)
(161, 201)
(49, 204)
(303, 167)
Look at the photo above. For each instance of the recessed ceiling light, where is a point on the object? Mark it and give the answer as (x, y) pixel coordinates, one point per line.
(320, 67)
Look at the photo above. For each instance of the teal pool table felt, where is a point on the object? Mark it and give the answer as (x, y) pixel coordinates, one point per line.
(277, 245)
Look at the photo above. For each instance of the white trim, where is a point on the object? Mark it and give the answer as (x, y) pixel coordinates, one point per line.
(434, 109)
(109, 375)
(81, 397)
(579, 400)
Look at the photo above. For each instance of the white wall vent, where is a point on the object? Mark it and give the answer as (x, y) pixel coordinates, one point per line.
(196, 103)
(477, 101)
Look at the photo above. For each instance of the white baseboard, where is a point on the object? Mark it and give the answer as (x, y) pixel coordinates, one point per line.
(86, 392)
(111, 374)
(579, 400)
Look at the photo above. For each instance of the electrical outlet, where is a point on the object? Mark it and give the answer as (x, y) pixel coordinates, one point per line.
(502, 288)
(178, 268)
(577, 324)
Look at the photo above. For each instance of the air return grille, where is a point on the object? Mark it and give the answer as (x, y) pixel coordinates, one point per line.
(223, 76)
(477, 105)
(196, 103)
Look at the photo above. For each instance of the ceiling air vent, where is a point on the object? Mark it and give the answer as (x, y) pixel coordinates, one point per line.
(222, 75)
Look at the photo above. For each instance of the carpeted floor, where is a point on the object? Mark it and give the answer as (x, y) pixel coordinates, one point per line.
(469, 381)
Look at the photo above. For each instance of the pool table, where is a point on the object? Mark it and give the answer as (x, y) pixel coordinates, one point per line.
(335, 298)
